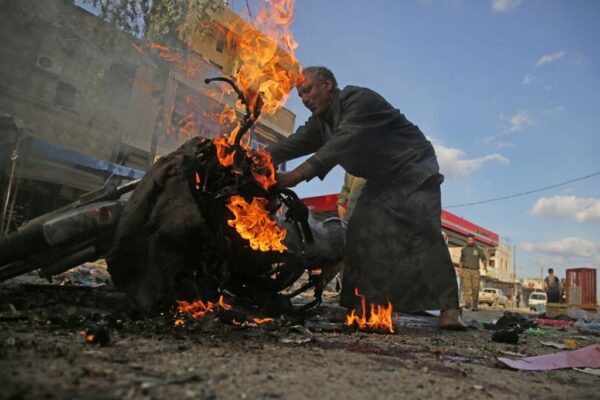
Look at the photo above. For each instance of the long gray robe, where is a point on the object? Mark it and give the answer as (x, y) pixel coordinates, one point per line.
(395, 247)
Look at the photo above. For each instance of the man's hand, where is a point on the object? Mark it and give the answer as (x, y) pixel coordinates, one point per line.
(288, 179)
(341, 211)
(460, 272)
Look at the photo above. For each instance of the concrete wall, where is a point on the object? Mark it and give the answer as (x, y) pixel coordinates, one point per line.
(79, 83)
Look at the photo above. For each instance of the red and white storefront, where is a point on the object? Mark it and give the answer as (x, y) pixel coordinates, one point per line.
(456, 228)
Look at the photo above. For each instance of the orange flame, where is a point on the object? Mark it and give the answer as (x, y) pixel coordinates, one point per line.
(262, 320)
(197, 179)
(268, 65)
(228, 115)
(199, 308)
(254, 224)
(263, 169)
(380, 319)
(190, 67)
(224, 152)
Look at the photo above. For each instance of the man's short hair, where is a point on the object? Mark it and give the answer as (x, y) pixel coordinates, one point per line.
(321, 73)
(550, 270)
(470, 235)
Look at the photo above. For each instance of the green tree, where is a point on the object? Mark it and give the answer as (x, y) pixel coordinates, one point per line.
(158, 19)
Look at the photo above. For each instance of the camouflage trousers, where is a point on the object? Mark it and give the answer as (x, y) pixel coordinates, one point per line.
(470, 286)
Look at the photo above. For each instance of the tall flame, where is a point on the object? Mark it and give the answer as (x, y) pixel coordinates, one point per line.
(380, 318)
(254, 224)
(268, 66)
(263, 64)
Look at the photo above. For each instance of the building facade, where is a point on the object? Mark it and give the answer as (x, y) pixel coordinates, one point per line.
(96, 107)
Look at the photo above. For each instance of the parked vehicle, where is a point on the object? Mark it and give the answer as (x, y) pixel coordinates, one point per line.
(493, 297)
(536, 298)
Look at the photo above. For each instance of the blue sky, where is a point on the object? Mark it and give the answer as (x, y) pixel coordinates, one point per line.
(508, 91)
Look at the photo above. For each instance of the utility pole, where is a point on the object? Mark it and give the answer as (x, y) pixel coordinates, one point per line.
(542, 273)
(515, 262)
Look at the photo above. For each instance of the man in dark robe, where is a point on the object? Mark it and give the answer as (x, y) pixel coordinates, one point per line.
(395, 249)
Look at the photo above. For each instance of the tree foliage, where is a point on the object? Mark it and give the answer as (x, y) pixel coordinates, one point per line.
(158, 19)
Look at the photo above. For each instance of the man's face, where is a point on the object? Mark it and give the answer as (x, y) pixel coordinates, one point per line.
(470, 241)
(316, 94)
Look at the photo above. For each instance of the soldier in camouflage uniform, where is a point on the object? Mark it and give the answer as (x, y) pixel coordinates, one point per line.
(468, 269)
(395, 249)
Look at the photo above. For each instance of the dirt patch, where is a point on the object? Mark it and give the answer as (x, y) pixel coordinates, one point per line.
(44, 354)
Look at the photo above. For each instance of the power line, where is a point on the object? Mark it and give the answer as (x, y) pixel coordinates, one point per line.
(249, 13)
(525, 193)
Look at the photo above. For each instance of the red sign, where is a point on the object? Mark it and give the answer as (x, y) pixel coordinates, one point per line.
(328, 203)
(461, 225)
(325, 203)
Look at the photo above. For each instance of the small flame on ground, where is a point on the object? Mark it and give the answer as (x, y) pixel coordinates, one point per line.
(262, 320)
(380, 317)
(254, 224)
(200, 308)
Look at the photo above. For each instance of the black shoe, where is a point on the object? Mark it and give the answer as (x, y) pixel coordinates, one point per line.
(475, 309)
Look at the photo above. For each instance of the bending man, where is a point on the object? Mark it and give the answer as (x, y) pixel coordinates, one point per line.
(395, 247)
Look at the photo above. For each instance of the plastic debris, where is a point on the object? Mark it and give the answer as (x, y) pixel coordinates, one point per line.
(587, 357)
(571, 343)
(512, 354)
(507, 335)
(511, 320)
(578, 313)
(589, 371)
(592, 327)
(539, 332)
(552, 322)
(559, 346)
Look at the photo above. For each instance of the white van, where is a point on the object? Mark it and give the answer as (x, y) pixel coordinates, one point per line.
(536, 298)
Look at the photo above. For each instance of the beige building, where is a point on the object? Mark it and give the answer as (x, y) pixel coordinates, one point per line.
(499, 267)
(96, 106)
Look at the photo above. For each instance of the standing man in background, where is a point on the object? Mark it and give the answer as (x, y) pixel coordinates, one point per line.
(552, 287)
(468, 270)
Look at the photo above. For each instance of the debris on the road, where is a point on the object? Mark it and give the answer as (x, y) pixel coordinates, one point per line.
(589, 371)
(510, 335)
(512, 354)
(87, 275)
(587, 357)
(296, 334)
(578, 313)
(590, 328)
(571, 343)
(97, 335)
(559, 346)
(552, 322)
(508, 327)
(539, 332)
(511, 320)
